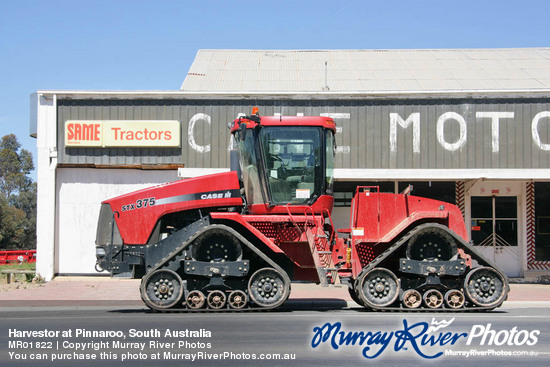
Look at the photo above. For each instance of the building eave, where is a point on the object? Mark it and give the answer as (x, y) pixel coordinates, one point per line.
(322, 95)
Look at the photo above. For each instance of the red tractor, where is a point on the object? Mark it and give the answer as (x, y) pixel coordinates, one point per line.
(237, 240)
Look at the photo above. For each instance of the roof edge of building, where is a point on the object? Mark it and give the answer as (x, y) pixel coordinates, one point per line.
(545, 48)
(317, 95)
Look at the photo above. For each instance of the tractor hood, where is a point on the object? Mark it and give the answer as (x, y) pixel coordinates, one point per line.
(137, 213)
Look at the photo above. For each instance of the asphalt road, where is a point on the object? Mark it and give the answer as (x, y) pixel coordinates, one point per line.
(144, 338)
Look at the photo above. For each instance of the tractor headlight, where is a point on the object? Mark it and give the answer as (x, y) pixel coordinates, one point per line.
(99, 252)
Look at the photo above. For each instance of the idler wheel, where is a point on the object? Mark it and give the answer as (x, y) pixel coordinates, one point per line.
(237, 299)
(433, 298)
(161, 289)
(195, 299)
(454, 298)
(268, 288)
(431, 244)
(412, 298)
(485, 287)
(216, 299)
(379, 288)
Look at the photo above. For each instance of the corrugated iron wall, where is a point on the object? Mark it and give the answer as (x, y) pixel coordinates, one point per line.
(467, 136)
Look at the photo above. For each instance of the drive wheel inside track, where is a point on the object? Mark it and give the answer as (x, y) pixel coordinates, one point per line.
(431, 244)
(217, 246)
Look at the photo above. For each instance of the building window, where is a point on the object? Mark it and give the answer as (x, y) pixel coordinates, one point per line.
(542, 221)
(343, 198)
(437, 190)
(344, 191)
(494, 220)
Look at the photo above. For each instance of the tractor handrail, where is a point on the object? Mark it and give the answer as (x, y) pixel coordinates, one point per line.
(292, 219)
(331, 224)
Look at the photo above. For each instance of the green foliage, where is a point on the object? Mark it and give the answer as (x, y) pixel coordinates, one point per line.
(26, 202)
(17, 196)
(15, 165)
(12, 226)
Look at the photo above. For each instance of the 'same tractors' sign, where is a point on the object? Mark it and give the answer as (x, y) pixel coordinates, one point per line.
(131, 133)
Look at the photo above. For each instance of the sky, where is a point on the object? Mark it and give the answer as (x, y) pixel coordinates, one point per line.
(150, 45)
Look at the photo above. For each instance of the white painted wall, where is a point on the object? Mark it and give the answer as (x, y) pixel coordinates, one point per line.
(80, 192)
(43, 123)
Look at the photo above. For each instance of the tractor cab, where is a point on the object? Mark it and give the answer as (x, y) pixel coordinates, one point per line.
(286, 163)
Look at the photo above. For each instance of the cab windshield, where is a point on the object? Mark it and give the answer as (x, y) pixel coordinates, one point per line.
(285, 165)
(293, 163)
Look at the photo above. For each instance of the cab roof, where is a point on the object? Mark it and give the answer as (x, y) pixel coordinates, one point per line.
(253, 121)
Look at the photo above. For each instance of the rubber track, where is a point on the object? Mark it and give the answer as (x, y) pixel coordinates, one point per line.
(401, 242)
(178, 252)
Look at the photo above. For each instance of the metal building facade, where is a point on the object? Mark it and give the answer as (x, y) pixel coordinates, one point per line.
(372, 134)
(481, 146)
